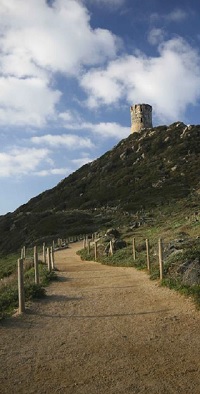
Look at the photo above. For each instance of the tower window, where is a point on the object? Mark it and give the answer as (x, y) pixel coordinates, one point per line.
(141, 120)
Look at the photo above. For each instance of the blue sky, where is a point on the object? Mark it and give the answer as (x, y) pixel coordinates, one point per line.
(71, 69)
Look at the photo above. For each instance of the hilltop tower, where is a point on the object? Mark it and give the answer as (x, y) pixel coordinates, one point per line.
(141, 117)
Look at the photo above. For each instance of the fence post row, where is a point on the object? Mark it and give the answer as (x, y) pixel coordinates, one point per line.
(48, 257)
(21, 296)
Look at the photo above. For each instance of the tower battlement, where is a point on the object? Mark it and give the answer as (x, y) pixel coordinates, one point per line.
(141, 117)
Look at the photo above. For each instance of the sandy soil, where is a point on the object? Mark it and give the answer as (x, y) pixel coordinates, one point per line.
(102, 330)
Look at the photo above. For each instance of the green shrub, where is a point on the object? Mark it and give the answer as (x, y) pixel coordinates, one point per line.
(8, 299)
(33, 290)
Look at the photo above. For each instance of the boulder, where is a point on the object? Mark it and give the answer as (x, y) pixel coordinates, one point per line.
(191, 276)
(119, 244)
(112, 232)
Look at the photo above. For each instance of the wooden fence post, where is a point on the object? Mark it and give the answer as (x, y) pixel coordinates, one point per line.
(148, 258)
(84, 243)
(52, 258)
(95, 250)
(48, 260)
(23, 252)
(111, 248)
(134, 250)
(36, 265)
(88, 247)
(21, 295)
(43, 253)
(160, 254)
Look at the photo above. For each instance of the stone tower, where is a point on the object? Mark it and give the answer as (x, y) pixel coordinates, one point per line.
(141, 117)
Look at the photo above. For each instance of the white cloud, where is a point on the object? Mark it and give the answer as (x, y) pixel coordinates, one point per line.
(156, 36)
(53, 171)
(50, 37)
(37, 41)
(66, 116)
(107, 130)
(103, 129)
(80, 162)
(177, 15)
(169, 82)
(26, 101)
(68, 140)
(22, 161)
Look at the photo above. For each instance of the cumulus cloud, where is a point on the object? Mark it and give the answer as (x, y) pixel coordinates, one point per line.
(26, 101)
(169, 82)
(50, 37)
(38, 40)
(22, 161)
(68, 140)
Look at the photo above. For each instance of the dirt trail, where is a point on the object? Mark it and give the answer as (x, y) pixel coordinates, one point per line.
(102, 330)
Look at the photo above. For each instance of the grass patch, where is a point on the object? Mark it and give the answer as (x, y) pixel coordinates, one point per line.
(8, 264)
(84, 255)
(121, 258)
(9, 292)
(192, 291)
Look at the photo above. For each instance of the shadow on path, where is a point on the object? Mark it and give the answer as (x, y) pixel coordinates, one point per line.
(100, 316)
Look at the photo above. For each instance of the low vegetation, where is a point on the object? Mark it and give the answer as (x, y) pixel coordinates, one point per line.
(8, 264)
(9, 288)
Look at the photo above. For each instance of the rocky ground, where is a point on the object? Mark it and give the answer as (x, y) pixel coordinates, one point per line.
(102, 330)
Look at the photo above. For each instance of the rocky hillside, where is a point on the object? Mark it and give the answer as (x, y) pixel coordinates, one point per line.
(159, 166)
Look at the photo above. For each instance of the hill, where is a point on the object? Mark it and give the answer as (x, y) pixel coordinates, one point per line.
(155, 168)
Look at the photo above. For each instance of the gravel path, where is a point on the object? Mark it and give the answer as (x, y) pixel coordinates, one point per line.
(102, 330)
